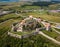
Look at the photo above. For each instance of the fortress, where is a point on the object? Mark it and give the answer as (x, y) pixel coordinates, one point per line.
(30, 23)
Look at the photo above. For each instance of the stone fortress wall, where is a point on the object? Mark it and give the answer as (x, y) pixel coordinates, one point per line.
(20, 25)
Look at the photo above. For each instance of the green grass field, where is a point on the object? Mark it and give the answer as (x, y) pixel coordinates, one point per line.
(39, 41)
(46, 17)
(52, 34)
(57, 29)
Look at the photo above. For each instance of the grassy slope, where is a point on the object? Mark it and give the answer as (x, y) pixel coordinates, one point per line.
(57, 29)
(46, 17)
(52, 34)
(6, 25)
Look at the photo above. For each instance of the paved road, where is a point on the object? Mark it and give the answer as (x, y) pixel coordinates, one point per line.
(54, 22)
(5, 12)
(56, 31)
(50, 38)
(55, 27)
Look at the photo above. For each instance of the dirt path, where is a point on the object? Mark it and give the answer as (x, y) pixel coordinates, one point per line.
(50, 38)
(56, 31)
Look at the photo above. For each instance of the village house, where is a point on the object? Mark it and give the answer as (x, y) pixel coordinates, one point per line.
(47, 26)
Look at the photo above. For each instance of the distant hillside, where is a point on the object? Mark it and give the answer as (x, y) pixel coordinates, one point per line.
(9, 0)
(4, 0)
